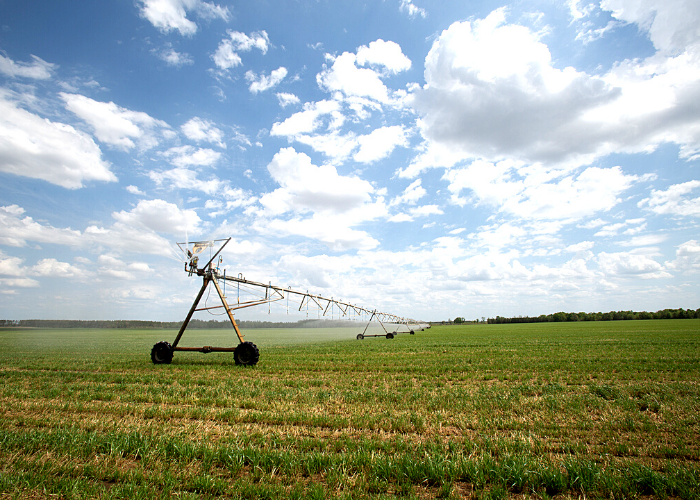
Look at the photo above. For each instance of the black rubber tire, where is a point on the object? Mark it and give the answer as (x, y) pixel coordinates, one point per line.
(412, 332)
(162, 353)
(246, 354)
(360, 336)
(390, 335)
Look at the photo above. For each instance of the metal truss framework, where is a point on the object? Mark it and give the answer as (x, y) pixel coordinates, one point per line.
(246, 353)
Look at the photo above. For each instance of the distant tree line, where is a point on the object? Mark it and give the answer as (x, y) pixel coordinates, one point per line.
(599, 316)
(166, 325)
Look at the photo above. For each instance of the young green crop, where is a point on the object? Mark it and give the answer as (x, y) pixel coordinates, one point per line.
(606, 409)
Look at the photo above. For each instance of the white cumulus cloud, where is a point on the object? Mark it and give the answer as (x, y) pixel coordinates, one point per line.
(674, 200)
(200, 130)
(492, 92)
(52, 268)
(16, 229)
(687, 257)
(171, 15)
(38, 69)
(261, 83)
(11, 266)
(184, 156)
(336, 203)
(411, 194)
(411, 9)
(630, 265)
(380, 143)
(35, 147)
(133, 231)
(307, 187)
(571, 198)
(672, 25)
(18, 283)
(413, 212)
(344, 76)
(285, 99)
(309, 119)
(114, 125)
(184, 178)
(226, 55)
(384, 54)
(171, 57)
(160, 216)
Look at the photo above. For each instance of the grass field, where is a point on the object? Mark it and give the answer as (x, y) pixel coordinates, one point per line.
(566, 410)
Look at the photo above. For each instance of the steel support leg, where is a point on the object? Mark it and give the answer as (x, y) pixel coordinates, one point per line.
(370, 320)
(189, 314)
(228, 310)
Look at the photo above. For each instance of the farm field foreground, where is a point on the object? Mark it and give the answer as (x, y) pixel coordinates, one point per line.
(572, 410)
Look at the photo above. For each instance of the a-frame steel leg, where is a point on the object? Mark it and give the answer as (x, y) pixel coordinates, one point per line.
(228, 311)
(189, 314)
(370, 320)
(380, 322)
(364, 333)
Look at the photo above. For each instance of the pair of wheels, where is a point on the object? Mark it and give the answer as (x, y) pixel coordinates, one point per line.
(245, 354)
(388, 335)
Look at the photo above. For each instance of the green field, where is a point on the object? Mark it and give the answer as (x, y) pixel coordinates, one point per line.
(566, 410)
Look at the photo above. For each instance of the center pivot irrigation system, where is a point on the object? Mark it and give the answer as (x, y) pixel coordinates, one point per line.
(256, 294)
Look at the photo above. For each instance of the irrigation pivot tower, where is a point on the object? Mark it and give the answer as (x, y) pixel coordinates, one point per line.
(247, 353)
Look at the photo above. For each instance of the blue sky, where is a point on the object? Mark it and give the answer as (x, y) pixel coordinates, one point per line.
(428, 159)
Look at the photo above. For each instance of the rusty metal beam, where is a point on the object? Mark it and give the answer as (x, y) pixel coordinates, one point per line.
(205, 349)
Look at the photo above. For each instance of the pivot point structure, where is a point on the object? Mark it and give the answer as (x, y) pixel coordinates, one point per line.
(247, 353)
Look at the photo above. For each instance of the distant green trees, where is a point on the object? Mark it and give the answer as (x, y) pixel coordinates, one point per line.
(600, 316)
